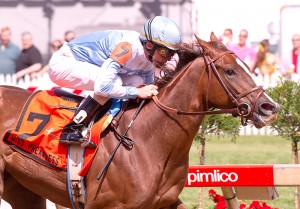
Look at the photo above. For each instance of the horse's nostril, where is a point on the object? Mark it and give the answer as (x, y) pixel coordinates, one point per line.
(269, 107)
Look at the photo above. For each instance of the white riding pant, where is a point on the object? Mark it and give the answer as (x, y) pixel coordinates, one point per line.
(66, 71)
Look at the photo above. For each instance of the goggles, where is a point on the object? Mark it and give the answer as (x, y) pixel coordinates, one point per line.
(164, 51)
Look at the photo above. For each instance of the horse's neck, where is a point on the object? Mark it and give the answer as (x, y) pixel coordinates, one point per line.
(170, 133)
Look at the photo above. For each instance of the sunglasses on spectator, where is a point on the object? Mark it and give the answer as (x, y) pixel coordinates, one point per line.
(242, 35)
(164, 51)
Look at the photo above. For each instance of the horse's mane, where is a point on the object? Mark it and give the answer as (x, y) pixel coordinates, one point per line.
(187, 52)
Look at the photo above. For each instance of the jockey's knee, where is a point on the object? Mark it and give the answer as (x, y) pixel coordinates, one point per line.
(55, 76)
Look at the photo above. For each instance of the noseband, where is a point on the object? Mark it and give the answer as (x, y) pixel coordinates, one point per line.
(242, 109)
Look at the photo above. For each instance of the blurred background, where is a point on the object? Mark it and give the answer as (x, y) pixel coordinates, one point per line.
(48, 20)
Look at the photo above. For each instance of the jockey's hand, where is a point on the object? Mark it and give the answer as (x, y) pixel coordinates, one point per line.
(146, 92)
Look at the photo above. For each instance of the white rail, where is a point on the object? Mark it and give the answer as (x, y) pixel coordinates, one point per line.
(43, 82)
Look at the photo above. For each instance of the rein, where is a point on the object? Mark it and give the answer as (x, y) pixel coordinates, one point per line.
(241, 109)
(180, 112)
(122, 138)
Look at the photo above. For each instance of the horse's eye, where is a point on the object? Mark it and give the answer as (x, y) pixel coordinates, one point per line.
(230, 72)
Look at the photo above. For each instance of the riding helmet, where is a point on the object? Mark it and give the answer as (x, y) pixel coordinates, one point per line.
(162, 31)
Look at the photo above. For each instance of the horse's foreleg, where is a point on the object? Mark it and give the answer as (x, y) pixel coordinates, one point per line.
(25, 199)
(20, 197)
(177, 205)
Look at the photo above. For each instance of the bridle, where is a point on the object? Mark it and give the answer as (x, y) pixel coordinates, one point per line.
(241, 109)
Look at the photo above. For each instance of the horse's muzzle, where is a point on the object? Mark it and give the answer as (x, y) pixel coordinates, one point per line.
(265, 113)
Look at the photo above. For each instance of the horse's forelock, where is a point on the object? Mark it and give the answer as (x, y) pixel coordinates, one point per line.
(188, 52)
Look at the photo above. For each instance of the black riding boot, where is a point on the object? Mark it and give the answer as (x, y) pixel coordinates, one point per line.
(72, 132)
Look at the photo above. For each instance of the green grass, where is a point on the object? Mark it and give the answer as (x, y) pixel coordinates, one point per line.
(246, 150)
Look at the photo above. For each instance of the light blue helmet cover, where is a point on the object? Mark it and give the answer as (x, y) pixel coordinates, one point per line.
(162, 31)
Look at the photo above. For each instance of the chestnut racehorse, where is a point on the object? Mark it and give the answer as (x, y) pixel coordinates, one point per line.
(152, 174)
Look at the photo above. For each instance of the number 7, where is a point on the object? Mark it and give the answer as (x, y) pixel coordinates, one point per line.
(31, 117)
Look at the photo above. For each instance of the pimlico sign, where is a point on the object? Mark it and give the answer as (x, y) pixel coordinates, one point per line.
(230, 175)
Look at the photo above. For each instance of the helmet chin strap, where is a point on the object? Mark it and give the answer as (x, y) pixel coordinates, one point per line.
(148, 34)
(150, 51)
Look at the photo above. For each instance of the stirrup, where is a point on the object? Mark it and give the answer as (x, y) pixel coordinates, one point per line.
(83, 142)
(86, 110)
(88, 144)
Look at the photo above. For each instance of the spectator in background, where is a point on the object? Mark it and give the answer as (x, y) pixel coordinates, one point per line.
(55, 46)
(30, 59)
(227, 37)
(9, 52)
(243, 51)
(291, 61)
(266, 62)
(69, 35)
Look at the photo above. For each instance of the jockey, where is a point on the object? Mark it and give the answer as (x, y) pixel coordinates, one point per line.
(113, 64)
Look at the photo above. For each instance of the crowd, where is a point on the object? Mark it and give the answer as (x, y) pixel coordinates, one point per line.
(261, 60)
(27, 59)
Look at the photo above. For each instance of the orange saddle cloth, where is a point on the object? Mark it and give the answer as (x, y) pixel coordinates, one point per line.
(39, 128)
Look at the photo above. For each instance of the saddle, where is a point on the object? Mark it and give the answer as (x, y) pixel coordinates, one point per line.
(38, 130)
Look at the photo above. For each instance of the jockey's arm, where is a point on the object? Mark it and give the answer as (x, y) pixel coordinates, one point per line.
(107, 84)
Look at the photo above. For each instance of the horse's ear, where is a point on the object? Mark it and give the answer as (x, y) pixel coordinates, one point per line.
(202, 43)
(213, 37)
